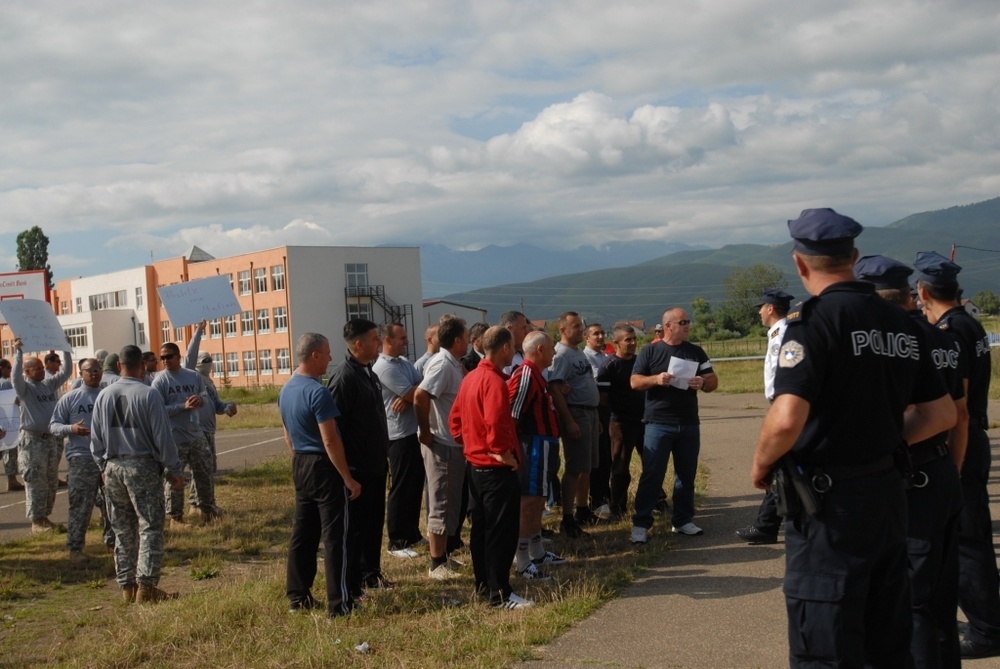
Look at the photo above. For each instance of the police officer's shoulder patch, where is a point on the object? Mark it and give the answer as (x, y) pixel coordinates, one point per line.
(775, 334)
(798, 311)
(791, 354)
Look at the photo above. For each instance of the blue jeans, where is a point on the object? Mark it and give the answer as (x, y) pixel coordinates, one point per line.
(660, 441)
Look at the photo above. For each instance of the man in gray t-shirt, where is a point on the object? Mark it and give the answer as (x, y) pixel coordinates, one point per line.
(575, 395)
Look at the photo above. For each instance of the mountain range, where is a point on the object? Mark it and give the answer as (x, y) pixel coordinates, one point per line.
(642, 289)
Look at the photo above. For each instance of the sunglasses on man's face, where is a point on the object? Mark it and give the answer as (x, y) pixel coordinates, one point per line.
(168, 356)
(91, 370)
(683, 322)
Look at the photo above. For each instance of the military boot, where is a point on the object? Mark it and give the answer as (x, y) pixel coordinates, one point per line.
(128, 593)
(150, 594)
(78, 557)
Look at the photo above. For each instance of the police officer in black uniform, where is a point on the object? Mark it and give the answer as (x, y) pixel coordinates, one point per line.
(849, 365)
(937, 285)
(934, 494)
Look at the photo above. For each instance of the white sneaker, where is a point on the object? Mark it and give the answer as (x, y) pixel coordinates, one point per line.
(640, 535)
(405, 553)
(689, 529)
(443, 572)
(603, 512)
(533, 573)
(514, 603)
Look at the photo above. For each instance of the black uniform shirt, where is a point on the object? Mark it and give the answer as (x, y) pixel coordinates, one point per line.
(974, 362)
(858, 361)
(944, 351)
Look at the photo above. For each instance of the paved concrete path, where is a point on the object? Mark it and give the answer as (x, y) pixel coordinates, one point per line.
(713, 601)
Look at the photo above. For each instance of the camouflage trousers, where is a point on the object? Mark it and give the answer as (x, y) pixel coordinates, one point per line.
(133, 487)
(86, 490)
(10, 461)
(193, 491)
(38, 459)
(193, 454)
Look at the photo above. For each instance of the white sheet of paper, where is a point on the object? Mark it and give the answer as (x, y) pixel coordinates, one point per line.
(10, 419)
(36, 324)
(683, 371)
(195, 301)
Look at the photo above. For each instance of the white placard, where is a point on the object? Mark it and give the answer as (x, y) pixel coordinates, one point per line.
(195, 301)
(10, 419)
(35, 323)
(28, 285)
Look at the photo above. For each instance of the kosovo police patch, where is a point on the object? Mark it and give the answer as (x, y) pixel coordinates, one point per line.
(791, 354)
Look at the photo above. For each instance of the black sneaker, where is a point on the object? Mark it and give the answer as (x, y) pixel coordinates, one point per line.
(571, 529)
(378, 582)
(307, 603)
(971, 650)
(751, 534)
(585, 516)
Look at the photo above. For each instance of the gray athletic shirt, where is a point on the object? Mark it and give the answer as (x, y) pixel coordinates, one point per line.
(130, 420)
(174, 389)
(74, 406)
(38, 398)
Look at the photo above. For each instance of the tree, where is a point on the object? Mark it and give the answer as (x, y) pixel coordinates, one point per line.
(744, 286)
(33, 252)
(987, 301)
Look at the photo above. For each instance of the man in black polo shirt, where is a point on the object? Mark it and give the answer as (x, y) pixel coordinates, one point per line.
(937, 285)
(358, 395)
(849, 365)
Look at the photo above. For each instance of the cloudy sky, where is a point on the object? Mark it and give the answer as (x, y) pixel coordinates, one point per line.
(130, 130)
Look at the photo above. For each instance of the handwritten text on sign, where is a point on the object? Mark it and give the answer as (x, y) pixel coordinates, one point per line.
(36, 324)
(195, 301)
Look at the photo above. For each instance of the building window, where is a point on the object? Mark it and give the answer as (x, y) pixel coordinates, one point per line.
(164, 332)
(265, 362)
(178, 334)
(64, 307)
(247, 321)
(232, 364)
(260, 280)
(215, 328)
(231, 326)
(138, 297)
(79, 305)
(263, 321)
(245, 282)
(277, 277)
(359, 310)
(249, 362)
(284, 361)
(230, 276)
(77, 336)
(117, 298)
(6, 348)
(141, 327)
(280, 319)
(357, 275)
(218, 367)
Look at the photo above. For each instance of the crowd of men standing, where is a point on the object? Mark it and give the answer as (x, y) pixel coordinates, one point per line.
(129, 431)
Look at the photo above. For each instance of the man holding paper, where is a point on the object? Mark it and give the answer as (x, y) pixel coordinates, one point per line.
(671, 371)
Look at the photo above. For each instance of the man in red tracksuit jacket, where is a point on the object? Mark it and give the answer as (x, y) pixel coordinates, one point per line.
(480, 420)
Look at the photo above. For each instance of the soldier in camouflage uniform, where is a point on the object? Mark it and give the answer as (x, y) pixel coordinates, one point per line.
(71, 419)
(181, 390)
(9, 455)
(38, 451)
(132, 444)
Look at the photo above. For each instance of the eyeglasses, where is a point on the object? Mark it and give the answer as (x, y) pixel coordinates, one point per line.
(90, 370)
(683, 322)
(168, 356)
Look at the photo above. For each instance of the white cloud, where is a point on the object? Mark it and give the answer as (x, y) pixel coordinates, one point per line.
(711, 121)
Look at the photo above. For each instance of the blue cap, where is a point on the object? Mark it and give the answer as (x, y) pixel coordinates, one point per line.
(934, 268)
(823, 232)
(883, 272)
(778, 298)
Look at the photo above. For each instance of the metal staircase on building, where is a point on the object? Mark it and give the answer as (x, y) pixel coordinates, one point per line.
(392, 312)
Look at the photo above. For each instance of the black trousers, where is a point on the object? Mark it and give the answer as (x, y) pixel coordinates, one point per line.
(406, 492)
(364, 531)
(977, 560)
(600, 477)
(626, 437)
(320, 513)
(496, 514)
(768, 520)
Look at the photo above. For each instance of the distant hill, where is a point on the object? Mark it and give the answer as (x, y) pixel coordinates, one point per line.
(643, 290)
(445, 270)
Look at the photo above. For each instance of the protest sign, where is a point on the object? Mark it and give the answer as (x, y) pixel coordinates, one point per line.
(35, 323)
(203, 299)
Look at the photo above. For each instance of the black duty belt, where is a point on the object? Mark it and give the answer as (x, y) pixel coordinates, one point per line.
(920, 455)
(981, 422)
(823, 476)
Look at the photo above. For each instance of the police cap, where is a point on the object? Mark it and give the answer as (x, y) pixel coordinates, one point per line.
(778, 298)
(883, 272)
(823, 232)
(935, 269)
